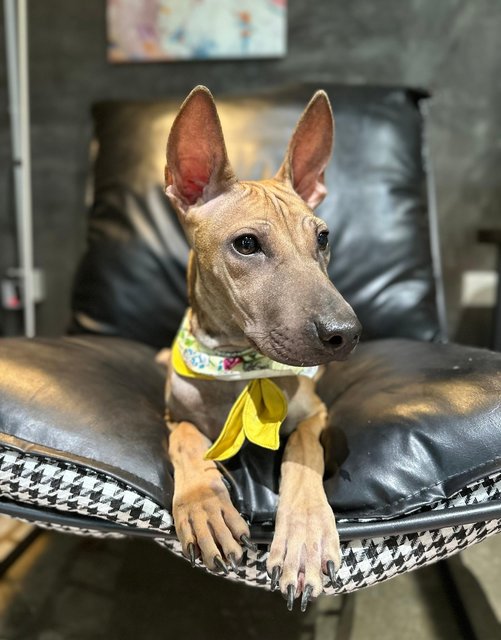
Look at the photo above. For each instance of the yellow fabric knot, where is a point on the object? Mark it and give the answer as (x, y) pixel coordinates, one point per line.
(256, 415)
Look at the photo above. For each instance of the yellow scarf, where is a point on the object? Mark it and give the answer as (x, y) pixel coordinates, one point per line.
(259, 410)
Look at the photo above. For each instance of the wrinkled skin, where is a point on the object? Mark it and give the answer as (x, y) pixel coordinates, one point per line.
(277, 299)
(259, 289)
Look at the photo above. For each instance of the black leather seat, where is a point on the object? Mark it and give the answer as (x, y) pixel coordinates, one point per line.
(414, 444)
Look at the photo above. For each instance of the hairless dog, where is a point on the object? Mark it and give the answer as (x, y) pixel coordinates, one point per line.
(264, 319)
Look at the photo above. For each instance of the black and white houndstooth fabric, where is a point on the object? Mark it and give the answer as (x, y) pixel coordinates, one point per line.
(61, 486)
(53, 484)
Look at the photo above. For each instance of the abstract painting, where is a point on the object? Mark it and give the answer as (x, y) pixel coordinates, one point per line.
(156, 30)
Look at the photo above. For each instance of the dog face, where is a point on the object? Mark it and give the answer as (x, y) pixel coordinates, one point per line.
(259, 252)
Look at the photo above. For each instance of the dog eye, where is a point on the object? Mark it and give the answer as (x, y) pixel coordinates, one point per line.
(323, 240)
(246, 245)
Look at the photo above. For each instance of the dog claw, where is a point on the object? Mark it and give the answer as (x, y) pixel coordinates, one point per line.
(275, 577)
(220, 565)
(291, 592)
(306, 597)
(191, 554)
(247, 543)
(233, 562)
(331, 570)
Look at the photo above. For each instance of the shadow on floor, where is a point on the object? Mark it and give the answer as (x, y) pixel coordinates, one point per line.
(72, 588)
(444, 613)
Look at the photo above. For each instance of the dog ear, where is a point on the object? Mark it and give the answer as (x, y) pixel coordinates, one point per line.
(309, 151)
(197, 162)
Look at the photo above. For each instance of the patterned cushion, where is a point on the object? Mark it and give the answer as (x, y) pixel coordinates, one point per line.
(63, 487)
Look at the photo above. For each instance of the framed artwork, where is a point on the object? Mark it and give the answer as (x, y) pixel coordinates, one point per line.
(168, 30)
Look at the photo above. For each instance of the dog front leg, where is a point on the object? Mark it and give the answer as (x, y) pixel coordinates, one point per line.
(306, 543)
(206, 521)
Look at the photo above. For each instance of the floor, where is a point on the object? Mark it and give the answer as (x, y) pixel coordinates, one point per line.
(74, 588)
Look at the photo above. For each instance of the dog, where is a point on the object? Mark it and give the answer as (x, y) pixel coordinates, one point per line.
(259, 297)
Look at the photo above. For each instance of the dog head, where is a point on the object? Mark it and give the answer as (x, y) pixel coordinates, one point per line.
(260, 254)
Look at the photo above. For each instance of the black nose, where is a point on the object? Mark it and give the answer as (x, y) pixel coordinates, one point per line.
(340, 336)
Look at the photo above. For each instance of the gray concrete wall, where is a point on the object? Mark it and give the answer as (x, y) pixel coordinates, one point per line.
(449, 46)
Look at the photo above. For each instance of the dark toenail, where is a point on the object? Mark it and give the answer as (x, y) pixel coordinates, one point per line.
(234, 564)
(191, 554)
(275, 577)
(331, 570)
(247, 543)
(306, 597)
(291, 590)
(220, 565)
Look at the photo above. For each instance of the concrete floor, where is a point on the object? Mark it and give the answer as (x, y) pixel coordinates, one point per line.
(71, 588)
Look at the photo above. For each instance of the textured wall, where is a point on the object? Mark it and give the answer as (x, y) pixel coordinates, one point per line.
(451, 47)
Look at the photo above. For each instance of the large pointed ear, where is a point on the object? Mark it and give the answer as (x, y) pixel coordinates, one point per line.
(197, 163)
(309, 151)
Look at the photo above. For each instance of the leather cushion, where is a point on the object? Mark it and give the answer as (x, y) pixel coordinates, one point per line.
(131, 280)
(410, 422)
(94, 401)
(424, 420)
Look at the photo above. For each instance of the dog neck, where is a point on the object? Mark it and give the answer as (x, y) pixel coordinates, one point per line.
(212, 324)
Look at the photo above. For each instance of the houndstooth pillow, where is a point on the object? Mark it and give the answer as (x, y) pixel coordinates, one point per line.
(53, 484)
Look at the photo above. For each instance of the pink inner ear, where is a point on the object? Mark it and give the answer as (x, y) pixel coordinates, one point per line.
(192, 189)
(309, 151)
(197, 163)
(194, 177)
(307, 173)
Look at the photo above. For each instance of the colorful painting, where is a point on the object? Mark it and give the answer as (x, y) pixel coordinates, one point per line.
(155, 30)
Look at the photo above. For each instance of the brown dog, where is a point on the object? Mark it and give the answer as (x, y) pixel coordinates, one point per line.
(257, 278)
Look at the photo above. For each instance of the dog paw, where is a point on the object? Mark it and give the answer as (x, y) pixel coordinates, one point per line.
(305, 547)
(208, 526)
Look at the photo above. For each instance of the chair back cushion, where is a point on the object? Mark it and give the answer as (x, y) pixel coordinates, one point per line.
(131, 280)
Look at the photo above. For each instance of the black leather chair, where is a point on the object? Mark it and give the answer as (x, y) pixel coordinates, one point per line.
(414, 444)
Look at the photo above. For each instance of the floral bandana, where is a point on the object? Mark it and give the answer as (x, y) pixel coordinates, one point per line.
(259, 410)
